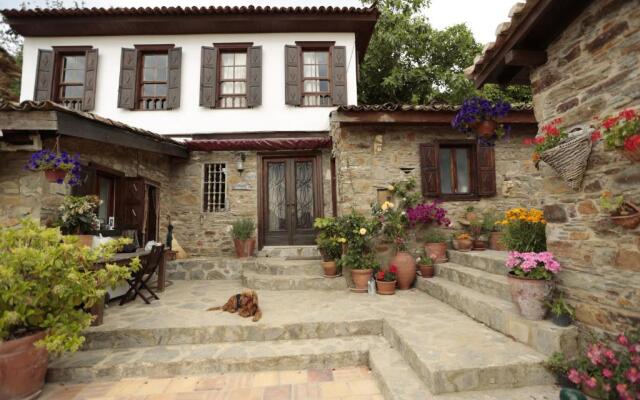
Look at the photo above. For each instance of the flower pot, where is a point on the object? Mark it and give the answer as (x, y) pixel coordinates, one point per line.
(437, 249)
(628, 221)
(479, 245)
(471, 216)
(55, 175)
(330, 269)
(361, 279)
(495, 241)
(486, 128)
(406, 269)
(464, 244)
(562, 320)
(244, 247)
(530, 296)
(386, 288)
(426, 271)
(22, 367)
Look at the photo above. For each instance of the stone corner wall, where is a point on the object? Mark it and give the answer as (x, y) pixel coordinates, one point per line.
(593, 69)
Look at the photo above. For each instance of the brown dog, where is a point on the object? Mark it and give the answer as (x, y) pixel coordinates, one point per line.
(245, 304)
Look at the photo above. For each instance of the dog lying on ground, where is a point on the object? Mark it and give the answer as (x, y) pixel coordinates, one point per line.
(245, 304)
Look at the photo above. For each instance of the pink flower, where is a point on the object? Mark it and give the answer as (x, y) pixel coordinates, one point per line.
(622, 339)
(606, 387)
(635, 360)
(633, 375)
(591, 383)
(621, 388)
(607, 373)
(574, 376)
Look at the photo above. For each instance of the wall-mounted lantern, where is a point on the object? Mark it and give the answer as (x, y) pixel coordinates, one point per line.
(240, 165)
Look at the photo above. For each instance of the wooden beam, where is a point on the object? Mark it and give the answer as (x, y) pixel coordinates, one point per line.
(435, 118)
(525, 58)
(32, 120)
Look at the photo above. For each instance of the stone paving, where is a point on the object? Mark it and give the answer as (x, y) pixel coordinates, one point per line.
(355, 383)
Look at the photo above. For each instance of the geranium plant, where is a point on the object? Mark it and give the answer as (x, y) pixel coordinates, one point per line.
(48, 160)
(532, 265)
(622, 131)
(476, 110)
(387, 276)
(551, 136)
(612, 372)
(524, 230)
(428, 213)
(47, 283)
(78, 215)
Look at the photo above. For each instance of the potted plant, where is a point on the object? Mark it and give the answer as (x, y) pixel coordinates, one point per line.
(470, 214)
(561, 312)
(558, 365)
(436, 245)
(58, 167)
(361, 266)
(357, 231)
(48, 284)
(531, 282)
(329, 244)
(426, 264)
(524, 230)
(481, 115)
(608, 371)
(622, 132)
(490, 225)
(386, 281)
(78, 217)
(479, 238)
(464, 242)
(244, 241)
(623, 213)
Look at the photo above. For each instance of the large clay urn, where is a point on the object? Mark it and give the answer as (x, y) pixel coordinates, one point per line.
(406, 269)
(531, 296)
(361, 279)
(439, 250)
(22, 367)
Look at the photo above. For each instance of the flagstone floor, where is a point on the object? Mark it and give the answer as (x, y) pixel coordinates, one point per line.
(354, 383)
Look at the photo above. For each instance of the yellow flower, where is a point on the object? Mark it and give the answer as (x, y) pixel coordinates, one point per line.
(342, 240)
(386, 205)
(363, 231)
(391, 188)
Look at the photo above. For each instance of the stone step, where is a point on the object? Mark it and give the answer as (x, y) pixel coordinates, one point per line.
(488, 260)
(290, 252)
(292, 282)
(502, 316)
(167, 336)
(490, 284)
(168, 361)
(281, 266)
(206, 268)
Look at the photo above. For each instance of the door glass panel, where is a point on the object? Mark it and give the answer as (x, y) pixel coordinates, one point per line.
(276, 202)
(445, 171)
(462, 169)
(304, 195)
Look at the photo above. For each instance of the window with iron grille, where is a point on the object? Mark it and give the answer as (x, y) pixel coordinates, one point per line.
(215, 187)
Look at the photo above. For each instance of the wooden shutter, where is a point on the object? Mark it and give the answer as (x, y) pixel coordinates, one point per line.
(339, 81)
(44, 76)
(208, 81)
(88, 182)
(254, 80)
(486, 170)
(128, 72)
(173, 93)
(429, 169)
(90, 76)
(132, 205)
(292, 94)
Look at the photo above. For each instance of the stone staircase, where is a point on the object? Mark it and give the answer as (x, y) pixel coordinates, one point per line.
(475, 283)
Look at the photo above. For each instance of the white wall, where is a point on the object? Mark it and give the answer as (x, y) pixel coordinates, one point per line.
(272, 115)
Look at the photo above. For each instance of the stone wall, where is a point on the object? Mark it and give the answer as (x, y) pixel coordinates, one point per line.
(593, 69)
(20, 190)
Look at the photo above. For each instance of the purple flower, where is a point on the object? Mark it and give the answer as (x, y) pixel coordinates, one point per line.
(427, 213)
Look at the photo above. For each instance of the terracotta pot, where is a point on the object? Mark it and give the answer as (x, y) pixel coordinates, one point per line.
(530, 296)
(386, 288)
(406, 269)
(22, 367)
(330, 269)
(628, 221)
(361, 279)
(426, 271)
(464, 244)
(479, 245)
(244, 248)
(55, 175)
(85, 240)
(437, 249)
(485, 128)
(495, 241)
(471, 216)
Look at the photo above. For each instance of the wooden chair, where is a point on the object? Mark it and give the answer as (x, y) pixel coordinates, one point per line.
(140, 279)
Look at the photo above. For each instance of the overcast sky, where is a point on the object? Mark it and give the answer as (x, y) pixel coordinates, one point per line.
(481, 17)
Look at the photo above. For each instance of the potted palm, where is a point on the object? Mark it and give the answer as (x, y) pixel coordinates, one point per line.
(386, 281)
(242, 231)
(78, 217)
(623, 213)
(329, 244)
(48, 284)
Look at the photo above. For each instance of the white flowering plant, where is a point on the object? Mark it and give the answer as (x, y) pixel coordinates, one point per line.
(78, 214)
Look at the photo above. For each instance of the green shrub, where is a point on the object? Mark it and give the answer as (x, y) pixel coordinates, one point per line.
(358, 231)
(243, 229)
(328, 239)
(47, 282)
(355, 260)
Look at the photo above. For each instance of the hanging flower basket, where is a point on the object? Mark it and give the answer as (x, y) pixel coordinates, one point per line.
(486, 128)
(59, 167)
(55, 175)
(569, 159)
(481, 116)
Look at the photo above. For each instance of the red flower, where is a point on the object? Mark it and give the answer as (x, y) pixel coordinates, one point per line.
(552, 130)
(628, 114)
(595, 136)
(380, 275)
(539, 140)
(528, 141)
(632, 143)
(393, 269)
(610, 122)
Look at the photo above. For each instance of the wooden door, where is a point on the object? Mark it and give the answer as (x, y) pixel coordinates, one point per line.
(291, 200)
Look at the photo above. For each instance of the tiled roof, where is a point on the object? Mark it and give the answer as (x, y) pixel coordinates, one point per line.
(434, 107)
(51, 106)
(129, 11)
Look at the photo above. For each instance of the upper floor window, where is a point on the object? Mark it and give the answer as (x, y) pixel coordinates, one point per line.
(154, 72)
(316, 87)
(70, 84)
(233, 79)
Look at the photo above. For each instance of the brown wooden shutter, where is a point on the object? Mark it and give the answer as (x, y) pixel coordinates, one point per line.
(90, 76)
(208, 81)
(88, 182)
(339, 81)
(486, 170)
(173, 93)
(133, 196)
(254, 80)
(429, 169)
(292, 94)
(128, 72)
(44, 76)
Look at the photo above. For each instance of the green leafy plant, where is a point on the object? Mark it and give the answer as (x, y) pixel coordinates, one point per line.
(405, 192)
(557, 363)
(78, 214)
(328, 239)
(394, 223)
(243, 229)
(559, 307)
(434, 236)
(422, 258)
(355, 260)
(358, 231)
(615, 205)
(48, 281)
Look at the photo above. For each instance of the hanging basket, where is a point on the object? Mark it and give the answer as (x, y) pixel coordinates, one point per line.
(569, 159)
